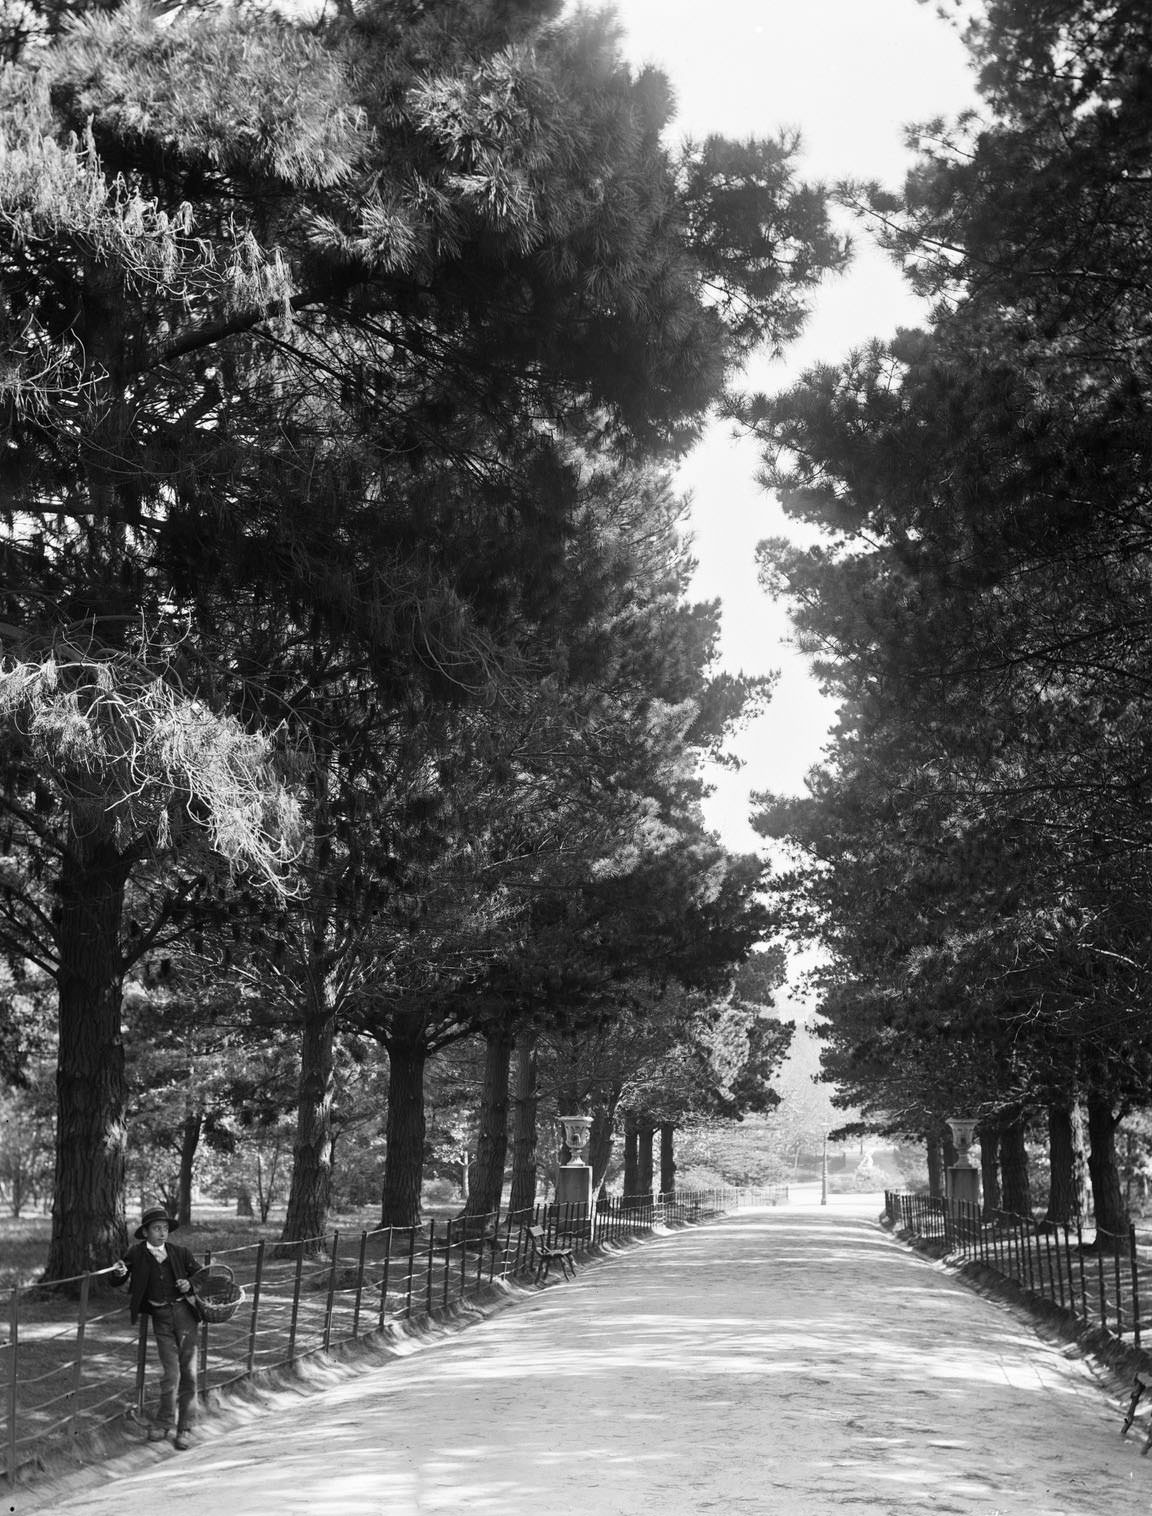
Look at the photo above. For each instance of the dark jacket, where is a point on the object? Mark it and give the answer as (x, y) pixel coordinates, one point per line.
(137, 1258)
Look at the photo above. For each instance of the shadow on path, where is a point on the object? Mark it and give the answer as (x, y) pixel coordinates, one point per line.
(793, 1362)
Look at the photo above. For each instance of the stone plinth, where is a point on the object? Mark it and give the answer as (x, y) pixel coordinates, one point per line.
(964, 1183)
(574, 1184)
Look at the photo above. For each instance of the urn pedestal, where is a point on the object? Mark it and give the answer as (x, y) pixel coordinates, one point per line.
(574, 1184)
(963, 1183)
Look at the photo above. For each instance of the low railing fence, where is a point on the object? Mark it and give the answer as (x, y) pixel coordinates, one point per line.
(67, 1369)
(1102, 1280)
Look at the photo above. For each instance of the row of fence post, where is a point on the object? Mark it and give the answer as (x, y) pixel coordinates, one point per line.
(1047, 1259)
(490, 1247)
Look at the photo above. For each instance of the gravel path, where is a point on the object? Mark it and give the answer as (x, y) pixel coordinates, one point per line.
(797, 1362)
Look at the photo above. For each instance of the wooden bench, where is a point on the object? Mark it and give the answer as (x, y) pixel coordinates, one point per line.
(545, 1253)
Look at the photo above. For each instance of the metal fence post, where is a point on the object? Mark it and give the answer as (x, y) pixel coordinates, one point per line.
(1051, 1290)
(447, 1262)
(411, 1270)
(359, 1284)
(1135, 1285)
(295, 1303)
(78, 1366)
(1119, 1287)
(13, 1381)
(387, 1270)
(1016, 1249)
(1100, 1277)
(331, 1293)
(431, 1265)
(1026, 1240)
(495, 1215)
(1080, 1266)
(255, 1317)
(506, 1250)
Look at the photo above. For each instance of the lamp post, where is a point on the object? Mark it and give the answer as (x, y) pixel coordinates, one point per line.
(824, 1173)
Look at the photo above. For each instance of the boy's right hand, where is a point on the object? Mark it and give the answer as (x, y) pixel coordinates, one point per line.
(119, 1268)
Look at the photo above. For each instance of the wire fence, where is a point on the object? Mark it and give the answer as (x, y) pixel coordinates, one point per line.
(68, 1370)
(1102, 1280)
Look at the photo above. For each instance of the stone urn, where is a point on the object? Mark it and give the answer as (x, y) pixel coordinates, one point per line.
(962, 1130)
(575, 1131)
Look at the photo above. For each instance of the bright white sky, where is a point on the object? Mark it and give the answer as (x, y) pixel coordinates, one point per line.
(849, 75)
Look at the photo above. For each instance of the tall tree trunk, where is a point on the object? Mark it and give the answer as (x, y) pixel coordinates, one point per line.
(631, 1156)
(405, 1131)
(88, 1225)
(1104, 1171)
(600, 1142)
(1014, 1166)
(989, 1134)
(487, 1186)
(951, 1152)
(667, 1158)
(1067, 1193)
(189, 1142)
(310, 1187)
(523, 1193)
(310, 1192)
(935, 1158)
(646, 1131)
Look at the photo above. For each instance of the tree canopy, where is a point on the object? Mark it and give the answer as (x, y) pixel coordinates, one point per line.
(342, 360)
(978, 832)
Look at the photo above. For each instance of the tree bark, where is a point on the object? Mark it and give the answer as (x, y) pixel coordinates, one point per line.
(989, 1134)
(935, 1156)
(600, 1143)
(310, 1187)
(523, 1192)
(405, 1132)
(189, 1142)
(631, 1156)
(667, 1158)
(310, 1191)
(1067, 1192)
(88, 1222)
(1014, 1166)
(646, 1131)
(1104, 1171)
(487, 1187)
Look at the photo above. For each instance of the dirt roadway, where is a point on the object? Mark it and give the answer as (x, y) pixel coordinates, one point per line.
(797, 1362)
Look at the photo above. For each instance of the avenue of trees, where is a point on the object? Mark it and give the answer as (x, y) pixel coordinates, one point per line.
(352, 705)
(975, 849)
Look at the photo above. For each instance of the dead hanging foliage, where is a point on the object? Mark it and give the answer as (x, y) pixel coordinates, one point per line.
(115, 729)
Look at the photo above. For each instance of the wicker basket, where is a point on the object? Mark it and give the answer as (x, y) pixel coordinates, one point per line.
(217, 1293)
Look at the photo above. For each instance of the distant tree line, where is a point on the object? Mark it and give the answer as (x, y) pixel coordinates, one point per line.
(352, 705)
(977, 843)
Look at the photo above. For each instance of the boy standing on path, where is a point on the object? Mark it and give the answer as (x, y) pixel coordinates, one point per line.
(161, 1274)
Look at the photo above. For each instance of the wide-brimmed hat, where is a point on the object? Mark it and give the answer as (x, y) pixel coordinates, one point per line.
(154, 1213)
